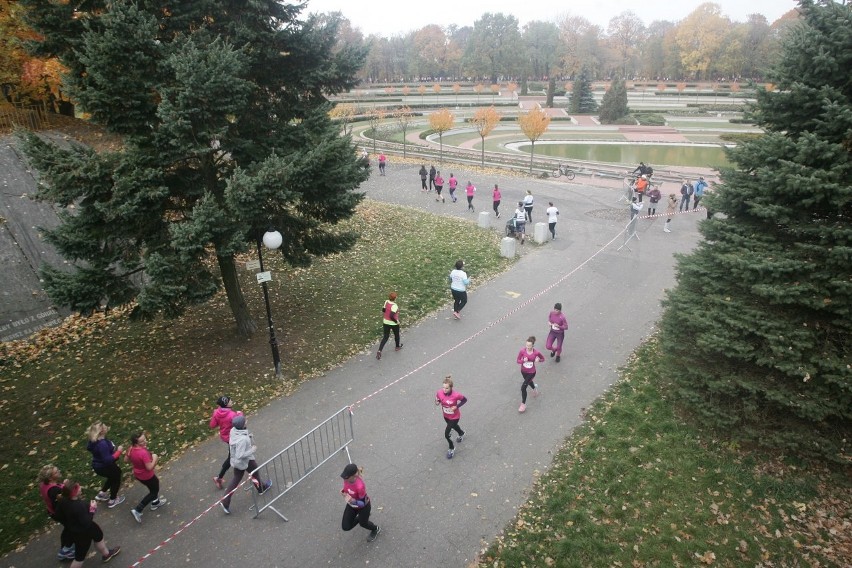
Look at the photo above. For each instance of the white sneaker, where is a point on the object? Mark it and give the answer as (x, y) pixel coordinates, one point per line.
(667, 230)
(136, 515)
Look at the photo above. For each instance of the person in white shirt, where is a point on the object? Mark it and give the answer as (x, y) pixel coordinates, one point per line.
(552, 217)
(528, 205)
(459, 281)
(635, 208)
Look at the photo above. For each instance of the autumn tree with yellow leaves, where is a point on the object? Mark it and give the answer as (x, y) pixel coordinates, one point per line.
(533, 124)
(484, 120)
(440, 121)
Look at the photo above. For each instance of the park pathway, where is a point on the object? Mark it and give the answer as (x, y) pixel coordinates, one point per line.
(433, 511)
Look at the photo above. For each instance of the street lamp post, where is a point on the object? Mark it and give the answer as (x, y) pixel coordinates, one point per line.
(271, 240)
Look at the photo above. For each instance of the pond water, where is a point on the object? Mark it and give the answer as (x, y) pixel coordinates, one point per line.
(707, 156)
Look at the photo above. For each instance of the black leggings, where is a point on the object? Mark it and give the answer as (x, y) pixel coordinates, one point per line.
(352, 517)
(226, 465)
(459, 300)
(387, 331)
(83, 540)
(528, 382)
(153, 486)
(65, 537)
(113, 478)
(470, 202)
(452, 425)
(497, 207)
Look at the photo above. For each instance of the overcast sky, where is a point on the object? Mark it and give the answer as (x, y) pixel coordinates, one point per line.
(391, 17)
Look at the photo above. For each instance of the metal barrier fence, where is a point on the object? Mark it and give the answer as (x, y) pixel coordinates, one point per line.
(298, 460)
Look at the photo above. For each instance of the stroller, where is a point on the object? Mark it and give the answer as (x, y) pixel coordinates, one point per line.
(514, 229)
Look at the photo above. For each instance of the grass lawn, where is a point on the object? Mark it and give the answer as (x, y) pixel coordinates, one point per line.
(165, 376)
(637, 485)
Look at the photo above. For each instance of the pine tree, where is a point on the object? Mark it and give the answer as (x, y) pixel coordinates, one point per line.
(222, 106)
(757, 333)
(614, 103)
(582, 100)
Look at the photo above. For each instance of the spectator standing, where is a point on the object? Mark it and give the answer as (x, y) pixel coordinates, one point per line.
(671, 206)
(390, 323)
(527, 357)
(459, 281)
(144, 464)
(528, 205)
(78, 520)
(635, 208)
(496, 196)
(382, 162)
(654, 197)
(50, 485)
(439, 186)
(700, 186)
(358, 504)
(552, 217)
(556, 335)
(104, 457)
(222, 418)
(686, 191)
(641, 186)
(450, 401)
(242, 460)
(432, 173)
(453, 183)
(423, 175)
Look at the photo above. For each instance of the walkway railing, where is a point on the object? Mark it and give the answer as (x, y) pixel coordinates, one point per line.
(290, 466)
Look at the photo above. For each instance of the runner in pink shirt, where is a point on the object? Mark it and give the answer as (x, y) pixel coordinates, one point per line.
(144, 463)
(556, 335)
(450, 401)
(526, 359)
(453, 183)
(358, 503)
(469, 190)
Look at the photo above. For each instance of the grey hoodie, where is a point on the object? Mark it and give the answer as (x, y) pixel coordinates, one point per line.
(241, 443)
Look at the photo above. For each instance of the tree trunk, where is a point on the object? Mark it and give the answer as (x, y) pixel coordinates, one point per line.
(246, 326)
(532, 153)
(551, 87)
(482, 162)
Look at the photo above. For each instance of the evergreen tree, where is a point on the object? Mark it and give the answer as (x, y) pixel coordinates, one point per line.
(582, 101)
(614, 103)
(757, 333)
(222, 106)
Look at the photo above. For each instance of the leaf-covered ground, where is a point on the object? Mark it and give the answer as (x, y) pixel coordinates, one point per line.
(164, 376)
(639, 486)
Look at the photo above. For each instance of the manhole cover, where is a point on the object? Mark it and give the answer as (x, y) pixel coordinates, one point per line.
(609, 214)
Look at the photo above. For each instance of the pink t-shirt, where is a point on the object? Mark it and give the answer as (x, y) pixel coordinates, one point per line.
(557, 320)
(496, 195)
(470, 189)
(439, 181)
(527, 360)
(453, 182)
(139, 456)
(448, 402)
(357, 490)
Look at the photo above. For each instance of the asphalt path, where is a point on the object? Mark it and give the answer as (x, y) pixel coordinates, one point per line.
(432, 511)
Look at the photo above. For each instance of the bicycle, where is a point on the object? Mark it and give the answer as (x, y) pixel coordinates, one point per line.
(564, 170)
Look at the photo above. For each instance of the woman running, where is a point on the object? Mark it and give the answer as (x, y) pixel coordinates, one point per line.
(50, 485)
(357, 511)
(104, 456)
(222, 419)
(450, 401)
(526, 359)
(496, 196)
(556, 335)
(469, 190)
(144, 463)
(78, 519)
(459, 281)
(439, 186)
